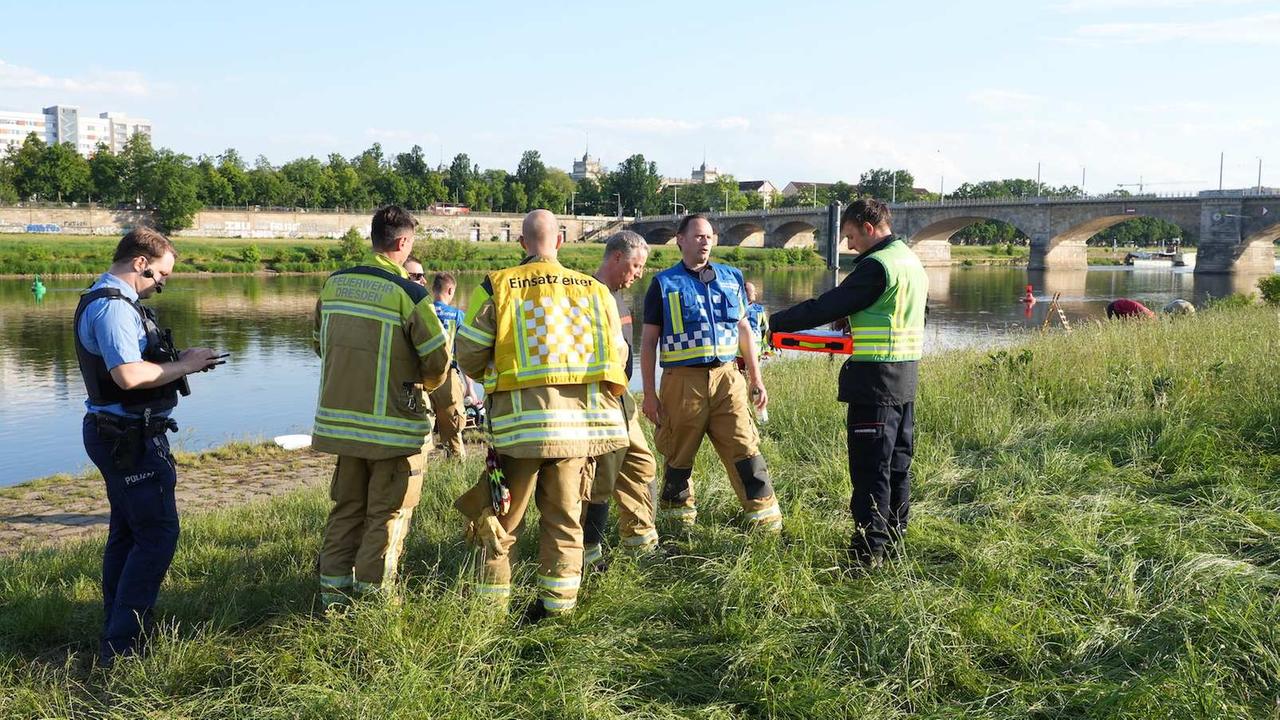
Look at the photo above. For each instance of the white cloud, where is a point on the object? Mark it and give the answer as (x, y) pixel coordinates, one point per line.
(731, 123)
(98, 82)
(1260, 29)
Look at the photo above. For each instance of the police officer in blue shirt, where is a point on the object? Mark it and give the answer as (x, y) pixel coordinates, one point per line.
(133, 377)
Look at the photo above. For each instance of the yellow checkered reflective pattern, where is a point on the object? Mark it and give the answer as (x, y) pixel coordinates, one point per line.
(558, 331)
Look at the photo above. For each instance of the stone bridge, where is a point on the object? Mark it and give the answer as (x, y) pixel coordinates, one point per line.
(1235, 230)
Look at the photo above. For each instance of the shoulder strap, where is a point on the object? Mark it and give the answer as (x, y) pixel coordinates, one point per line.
(105, 292)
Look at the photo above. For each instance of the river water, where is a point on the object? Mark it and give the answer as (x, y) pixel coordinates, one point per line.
(269, 386)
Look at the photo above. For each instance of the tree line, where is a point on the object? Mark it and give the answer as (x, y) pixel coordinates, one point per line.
(176, 186)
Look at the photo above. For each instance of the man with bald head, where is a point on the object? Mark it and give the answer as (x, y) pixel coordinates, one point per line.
(547, 342)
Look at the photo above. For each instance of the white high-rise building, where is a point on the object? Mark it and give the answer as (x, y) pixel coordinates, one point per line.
(65, 124)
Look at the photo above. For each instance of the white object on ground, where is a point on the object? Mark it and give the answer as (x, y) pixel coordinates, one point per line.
(293, 442)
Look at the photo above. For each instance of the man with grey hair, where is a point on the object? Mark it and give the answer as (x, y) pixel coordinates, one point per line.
(630, 473)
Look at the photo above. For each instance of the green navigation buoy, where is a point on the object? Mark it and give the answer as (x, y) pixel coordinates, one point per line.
(38, 289)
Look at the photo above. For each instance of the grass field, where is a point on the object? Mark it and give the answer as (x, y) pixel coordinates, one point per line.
(79, 254)
(1096, 534)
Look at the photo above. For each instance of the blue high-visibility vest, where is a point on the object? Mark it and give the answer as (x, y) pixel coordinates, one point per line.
(700, 320)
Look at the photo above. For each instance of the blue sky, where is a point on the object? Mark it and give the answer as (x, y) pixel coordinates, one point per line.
(772, 90)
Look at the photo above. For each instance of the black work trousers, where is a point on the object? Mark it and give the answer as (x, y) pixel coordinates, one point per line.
(880, 448)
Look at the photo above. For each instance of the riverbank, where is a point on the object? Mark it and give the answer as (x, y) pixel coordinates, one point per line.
(1095, 533)
(22, 256)
(73, 255)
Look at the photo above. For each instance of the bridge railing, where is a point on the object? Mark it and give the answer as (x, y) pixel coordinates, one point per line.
(977, 202)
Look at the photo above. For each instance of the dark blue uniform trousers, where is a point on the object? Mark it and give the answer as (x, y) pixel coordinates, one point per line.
(881, 444)
(141, 538)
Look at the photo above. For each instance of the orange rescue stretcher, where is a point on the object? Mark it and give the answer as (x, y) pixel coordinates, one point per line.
(830, 342)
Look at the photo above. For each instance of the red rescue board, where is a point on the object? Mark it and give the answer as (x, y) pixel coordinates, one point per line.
(819, 341)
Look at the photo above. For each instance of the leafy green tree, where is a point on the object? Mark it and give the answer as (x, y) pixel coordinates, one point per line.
(348, 189)
(589, 198)
(312, 184)
(25, 161)
(554, 191)
(494, 188)
(267, 186)
(232, 169)
(880, 183)
(1139, 232)
(174, 189)
(138, 159)
(8, 193)
(215, 190)
(353, 246)
(637, 181)
(391, 188)
(460, 177)
(531, 173)
(412, 164)
(62, 174)
(514, 195)
(106, 175)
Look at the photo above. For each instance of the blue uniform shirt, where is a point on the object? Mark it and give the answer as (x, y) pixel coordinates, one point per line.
(450, 318)
(113, 331)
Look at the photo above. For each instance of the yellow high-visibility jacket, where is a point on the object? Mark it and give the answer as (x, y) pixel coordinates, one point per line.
(548, 344)
(381, 345)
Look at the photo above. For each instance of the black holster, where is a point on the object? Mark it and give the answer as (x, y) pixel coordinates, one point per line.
(127, 435)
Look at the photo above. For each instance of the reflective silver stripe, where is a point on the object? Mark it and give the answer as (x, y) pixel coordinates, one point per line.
(592, 553)
(384, 369)
(487, 589)
(384, 422)
(475, 335)
(559, 604)
(645, 539)
(431, 345)
(336, 581)
(771, 511)
(560, 583)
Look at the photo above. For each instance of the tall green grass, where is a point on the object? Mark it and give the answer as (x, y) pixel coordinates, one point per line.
(1096, 533)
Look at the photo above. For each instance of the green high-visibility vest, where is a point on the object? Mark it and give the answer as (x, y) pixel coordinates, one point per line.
(892, 329)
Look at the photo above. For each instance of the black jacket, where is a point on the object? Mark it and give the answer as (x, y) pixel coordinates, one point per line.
(861, 383)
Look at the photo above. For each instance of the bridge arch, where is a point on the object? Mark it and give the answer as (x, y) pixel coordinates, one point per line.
(1266, 235)
(796, 233)
(1066, 246)
(662, 235)
(942, 230)
(746, 234)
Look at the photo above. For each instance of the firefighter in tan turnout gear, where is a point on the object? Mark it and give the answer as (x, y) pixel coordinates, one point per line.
(547, 342)
(380, 344)
(628, 475)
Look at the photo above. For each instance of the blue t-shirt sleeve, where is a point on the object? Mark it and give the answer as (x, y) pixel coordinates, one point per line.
(117, 333)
